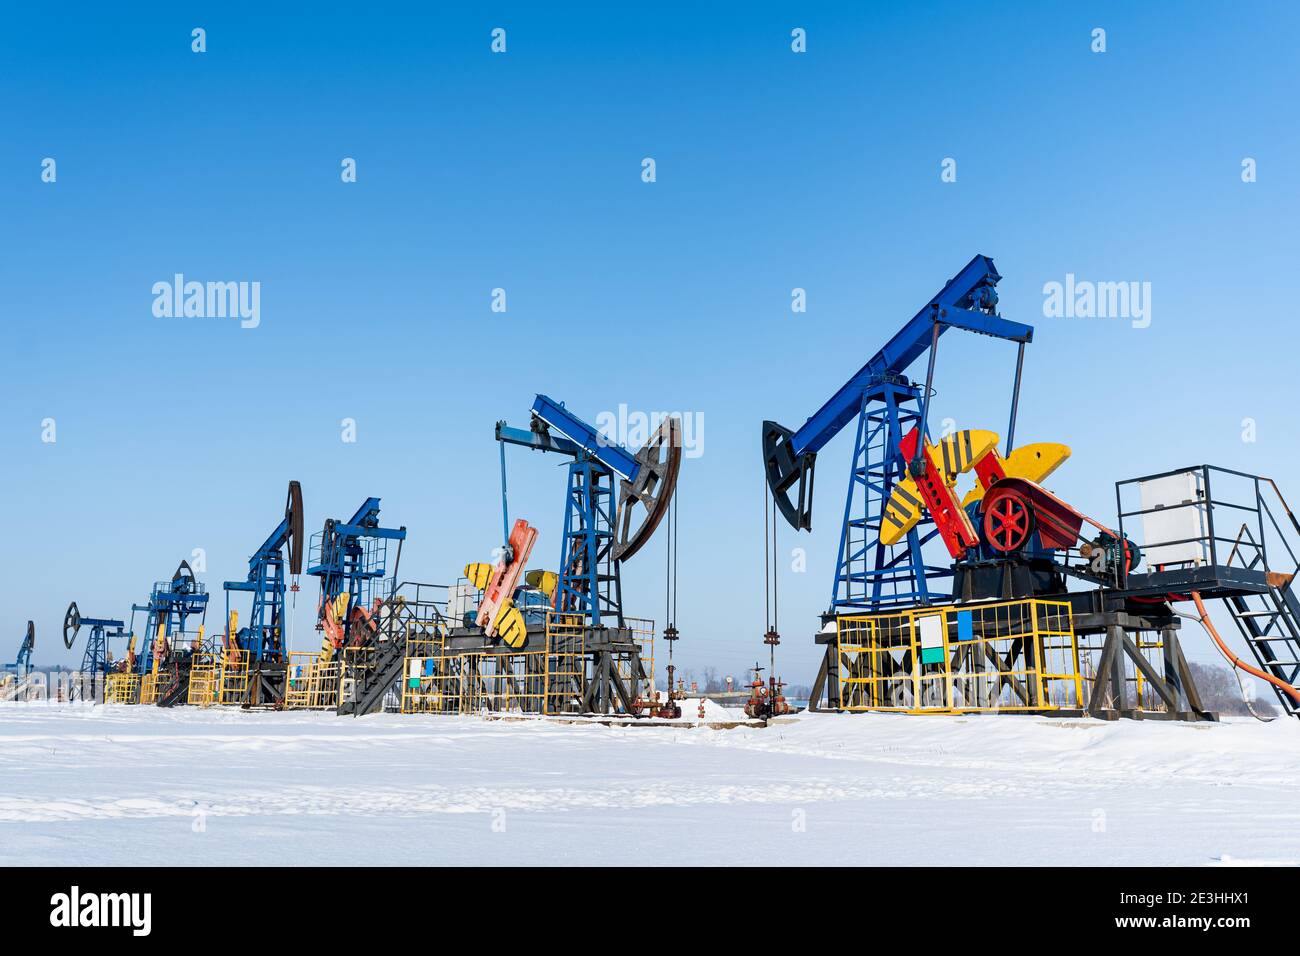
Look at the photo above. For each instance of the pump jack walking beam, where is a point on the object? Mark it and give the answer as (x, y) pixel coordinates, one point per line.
(648, 476)
(966, 302)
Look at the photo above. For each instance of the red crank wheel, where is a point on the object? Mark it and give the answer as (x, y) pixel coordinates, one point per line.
(1008, 522)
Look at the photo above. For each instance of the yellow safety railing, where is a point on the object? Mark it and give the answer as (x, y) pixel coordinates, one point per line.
(440, 681)
(551, 680)
(204, 683)
(314, 681)
(429, 685)
(643, 632)
(149, 688)
(232, 689)
(508, 683)
(1004, 656)
(121, 688)
(566, 662)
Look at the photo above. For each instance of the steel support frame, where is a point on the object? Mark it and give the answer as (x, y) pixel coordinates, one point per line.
(94, 661)
(1176, 687)
(589, 580)
(170, 608)
(264, 639)
(870, 576)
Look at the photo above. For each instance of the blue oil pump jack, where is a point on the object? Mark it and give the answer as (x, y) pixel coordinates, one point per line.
(869, 575)
(599, 533)
(95, 658)
(170, 606)
(351, 560)
(263, 642)
(1026, 543)
(22, 665)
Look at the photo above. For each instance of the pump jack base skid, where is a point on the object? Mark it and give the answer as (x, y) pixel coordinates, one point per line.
(269, 684)
(266, 686)
(606, 688)
(1097, 612)
(1176, 687)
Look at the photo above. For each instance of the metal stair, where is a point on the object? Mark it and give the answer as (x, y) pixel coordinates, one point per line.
(397, 622)
(177, 688)
(1270, 625)
(1269, 621)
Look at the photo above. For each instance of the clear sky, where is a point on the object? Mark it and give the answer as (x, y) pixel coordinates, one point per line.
(523, 171)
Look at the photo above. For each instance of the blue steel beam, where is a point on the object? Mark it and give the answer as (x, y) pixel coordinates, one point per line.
(536, 440)
(271, 546)
(973, 285)
(366, 524)
(270, 550)
(103, 622)
(586, 439)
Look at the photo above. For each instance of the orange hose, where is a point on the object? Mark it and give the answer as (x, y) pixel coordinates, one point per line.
(1236, 661)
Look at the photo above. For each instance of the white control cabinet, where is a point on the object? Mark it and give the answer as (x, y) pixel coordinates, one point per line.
(1181, 512)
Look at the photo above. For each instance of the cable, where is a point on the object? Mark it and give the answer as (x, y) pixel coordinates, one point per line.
(1245, 699)
(668, 581)
(776, 614)
(677, 539)
(1236, 674)
(767, 568)
(1236, 661)
(293, 613)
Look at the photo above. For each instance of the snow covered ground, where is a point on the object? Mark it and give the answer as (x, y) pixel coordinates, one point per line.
(124, 785)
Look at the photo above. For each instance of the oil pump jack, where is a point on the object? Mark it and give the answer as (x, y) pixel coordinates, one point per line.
(97, 657)
(359, 614)
(17, 672)
(259, 652)
(579, 653)
(159, 674)
(995, 627)
(599, 535)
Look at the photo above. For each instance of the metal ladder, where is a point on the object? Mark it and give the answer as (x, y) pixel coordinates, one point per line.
(387, 667)
(1270, 625)
(1269, 622)
(177, 689)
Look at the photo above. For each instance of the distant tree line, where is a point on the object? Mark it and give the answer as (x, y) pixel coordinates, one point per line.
(1221, 693)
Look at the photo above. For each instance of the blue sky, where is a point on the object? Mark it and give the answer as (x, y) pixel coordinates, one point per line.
(522, 171)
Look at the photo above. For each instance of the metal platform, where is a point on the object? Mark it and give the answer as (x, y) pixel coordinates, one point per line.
(1029, 655)
(1212, 581)
(565, 665)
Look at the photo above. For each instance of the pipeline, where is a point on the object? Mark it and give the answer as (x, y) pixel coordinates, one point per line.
(1233, 659)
